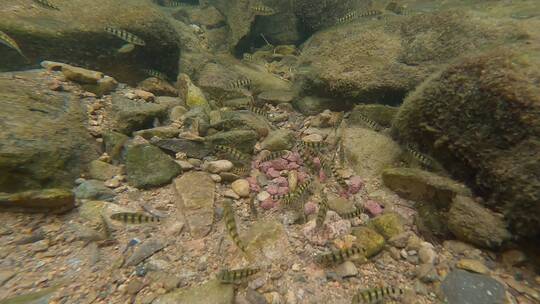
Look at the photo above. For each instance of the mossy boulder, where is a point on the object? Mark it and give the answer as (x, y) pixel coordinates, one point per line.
(47, 200)
(480, 118)
(423, 186)
(43, 139)
(369, 239)
(388, 224)
(379, 61)
(210, 292)
(147, 166)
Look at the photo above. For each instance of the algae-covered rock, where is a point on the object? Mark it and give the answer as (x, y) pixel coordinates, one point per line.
(369, 152)
(161, 132)
(476, 124)
(102, 171)
(388, 225)
(380, 61)
(247, 120)
(43, 139)
(130, 116)
(193, 95)
(147, 166)
(243, 140)
(470, 222)
(210, 292)
(157, 87)
(381, 114)
(47, 200)
(276, 97)
(423, 186)
(94, 190)
(278, 140)
(195, 149)
(368, 239)
(114, 143)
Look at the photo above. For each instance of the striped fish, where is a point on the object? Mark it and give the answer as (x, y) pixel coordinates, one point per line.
(323, 208)
(106, 228)
(171, 3)
(370, 123)
(134, 218)
(307, 157)
(235, 275)
(352, 214)
(239, 83)
(340, 180)
(356, 14)
(47, 4)
(8, 41)
(124, 35)
(314, 145)
(230, 224)
(274, 155)
(258, 111)
(339, 256)
(263, 10)
(295, 195)
(376, 295)
(156, 74)
(240, 170)
(425, 160)
(232, 152)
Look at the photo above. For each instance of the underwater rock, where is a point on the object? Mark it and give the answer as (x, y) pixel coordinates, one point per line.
(130, 115)
(243, 140)
(147, 166)
(195, 198)
(46, 200)
(210, 292)
(102, 171)
(369, 152)
(368, 239)
(157, 87)
(249, 120)
(41, 131)
(241, 187)
(312, 105)
(488, 139)
(388, 225)
(381, 114)
(268, 239)
(278, 140)
(161, 132)
(461, 286)
(472, 223)
(192, 94)
(114, 144)
(94, 190)
(80, 75)
(402, 53)
(276, 97)
(144, 251)
(423, 186)
(192, 148)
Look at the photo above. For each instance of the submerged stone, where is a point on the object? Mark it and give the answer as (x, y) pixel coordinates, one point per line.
(47, 200)
(147, 166)
(210, 292)
(463, 287)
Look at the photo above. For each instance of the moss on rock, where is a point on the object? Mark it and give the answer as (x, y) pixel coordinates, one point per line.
(388, 225)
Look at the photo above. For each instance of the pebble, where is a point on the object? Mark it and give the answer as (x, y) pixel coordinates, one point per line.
(218, 166)
(195, 162)
(426, 255)
(347, 269)
(134, 286)
(513, 257)
(254, 297)
(231, 194)
(400, 240)
(175, 228)
(241, 187)
(292, 179)
(472, 265)
(185, 165)
(262, 196)
(144, 251)
(147, 96)
(427, 273)
(216, 178)
(40, 246)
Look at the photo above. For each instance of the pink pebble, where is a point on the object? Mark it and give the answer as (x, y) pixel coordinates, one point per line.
(310, 208)
(302, 176)
(253, 184)
(283, 190)
(273, 173)
(373, 207)
(265, 166)
(317, 162)
(322, 175)
(279, 164)
(268, 204)
(293, 157)
(280, 181)
(355, 184)
(272, 189)
(292, 166)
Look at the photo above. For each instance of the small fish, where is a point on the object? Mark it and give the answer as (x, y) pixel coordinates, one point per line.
(230, 224)
(240, 171)
(248, 57)
(314, 145)
(156, 74)
(376, 295)
(126, 48)
(124, 35)
(235, 275)
(263, 10)
(8, 41)
(340, 180)
(339, 256)
(239, 83)
(107, 231)
(370, 123)
(134, 218)
(352, 214)
(232, 152)
(355, 15)
(258, 111)
(307, 157)
(323, 208)
(295, 195)
(274, 155)
(47, 4)
(424, 159)
(170, 3)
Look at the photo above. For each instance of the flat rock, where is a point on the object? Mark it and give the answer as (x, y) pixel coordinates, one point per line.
(210, 292)
(192, 148)
(276, 97)
(144, 251)
(147, 166)
(195, 198)
(80, 75)
(158, 87)
(47, 200)
(102, 171)
(463, 287)
(6, 275)
(161, 132)
(94, 190)
(346, 269)
(423, 186)
(473, 223)
(472, 265)
(130, 115)
(268, 239)
(278, 140)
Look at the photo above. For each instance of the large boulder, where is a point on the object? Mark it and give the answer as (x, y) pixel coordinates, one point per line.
(75, 33)
(480, 118)
(43, 139)
(379, 61)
